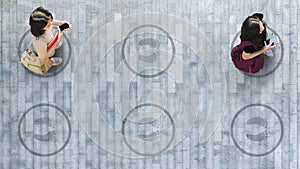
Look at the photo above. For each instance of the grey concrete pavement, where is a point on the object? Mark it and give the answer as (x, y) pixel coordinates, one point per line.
(150, 84)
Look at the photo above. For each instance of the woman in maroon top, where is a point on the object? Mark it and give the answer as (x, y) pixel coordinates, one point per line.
(247, 55)
(254, 30)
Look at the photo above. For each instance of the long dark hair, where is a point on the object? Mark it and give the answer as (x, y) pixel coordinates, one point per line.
(38, 20)
(250, 31)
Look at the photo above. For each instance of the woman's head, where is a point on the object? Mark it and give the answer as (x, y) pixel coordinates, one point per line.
(39, 20)
(253, 29)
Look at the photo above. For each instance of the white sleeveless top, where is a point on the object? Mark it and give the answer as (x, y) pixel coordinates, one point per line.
(40, 43)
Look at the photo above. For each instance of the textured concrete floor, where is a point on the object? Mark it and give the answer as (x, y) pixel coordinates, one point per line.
(150, 84)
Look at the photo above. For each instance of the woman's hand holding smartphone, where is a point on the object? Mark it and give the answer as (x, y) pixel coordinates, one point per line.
(65, 26)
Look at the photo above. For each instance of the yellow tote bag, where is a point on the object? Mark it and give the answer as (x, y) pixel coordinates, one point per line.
(32, 62)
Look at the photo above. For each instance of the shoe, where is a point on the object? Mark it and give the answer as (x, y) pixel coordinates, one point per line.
(56, 61)
(269, 53)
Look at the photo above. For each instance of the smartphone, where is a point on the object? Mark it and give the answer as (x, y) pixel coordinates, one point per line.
(64, 26)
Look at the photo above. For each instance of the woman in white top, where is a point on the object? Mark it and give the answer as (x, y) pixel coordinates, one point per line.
(42, 30)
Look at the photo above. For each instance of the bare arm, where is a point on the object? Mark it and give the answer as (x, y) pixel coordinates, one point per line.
(247, 56)
(58, 23)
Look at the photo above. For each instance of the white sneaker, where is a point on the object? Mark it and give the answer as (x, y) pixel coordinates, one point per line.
(56, 61)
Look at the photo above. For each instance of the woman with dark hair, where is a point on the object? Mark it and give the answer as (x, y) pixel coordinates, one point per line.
(254, 30)
(42, 26)
(247, 55)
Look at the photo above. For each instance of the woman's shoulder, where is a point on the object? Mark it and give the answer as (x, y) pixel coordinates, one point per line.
(38, 42)
(247, 46)
(39, 39)
(249, 49)
(247, 43)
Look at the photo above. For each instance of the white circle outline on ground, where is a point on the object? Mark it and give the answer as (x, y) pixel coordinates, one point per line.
(143, 153)
(240, 147)
(20, 128)
(84, 103)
